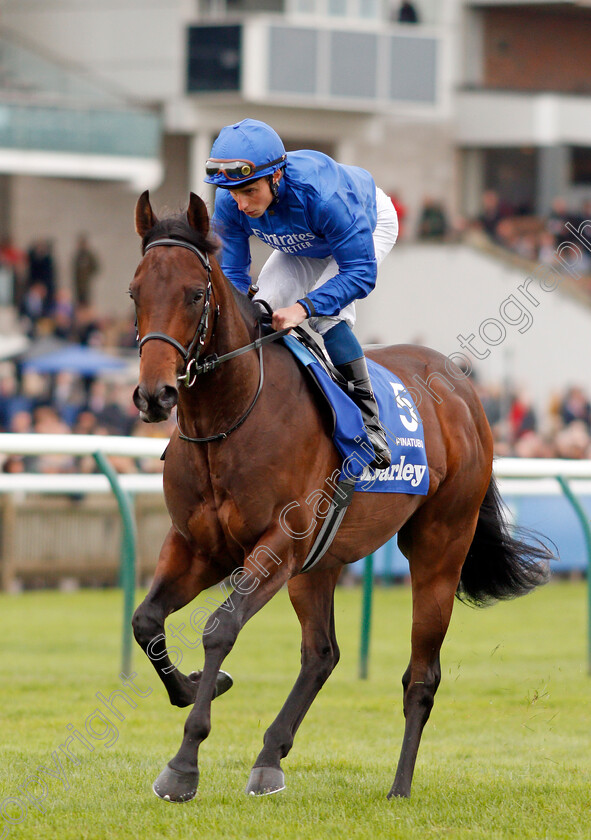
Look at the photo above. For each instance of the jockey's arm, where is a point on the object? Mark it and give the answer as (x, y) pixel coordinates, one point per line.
(348, 232)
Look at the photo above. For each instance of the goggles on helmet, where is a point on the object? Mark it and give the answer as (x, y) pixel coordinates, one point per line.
(237, 170)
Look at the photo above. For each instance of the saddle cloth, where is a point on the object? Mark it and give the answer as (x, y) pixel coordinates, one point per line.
(398, 415)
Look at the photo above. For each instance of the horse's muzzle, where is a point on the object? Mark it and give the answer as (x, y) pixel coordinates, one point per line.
(155, 406)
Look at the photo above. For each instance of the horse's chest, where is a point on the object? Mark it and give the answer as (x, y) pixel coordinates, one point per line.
(238, 513)
(217, 521)
(220, 508)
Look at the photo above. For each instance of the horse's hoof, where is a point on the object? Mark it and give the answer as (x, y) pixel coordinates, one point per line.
(175, 786)
(398, 794)
(265, 780)
(223, 683)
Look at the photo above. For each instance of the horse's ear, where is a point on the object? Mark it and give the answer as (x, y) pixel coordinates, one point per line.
(197, 215)
(144, 215)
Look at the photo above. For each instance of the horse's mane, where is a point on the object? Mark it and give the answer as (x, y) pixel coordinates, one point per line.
(178, 227)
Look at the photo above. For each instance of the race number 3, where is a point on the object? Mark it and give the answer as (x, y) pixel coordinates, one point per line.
(407, 413)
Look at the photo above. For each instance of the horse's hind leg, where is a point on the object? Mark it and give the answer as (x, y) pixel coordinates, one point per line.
(436, 552)
(179, 577)
(312, 598)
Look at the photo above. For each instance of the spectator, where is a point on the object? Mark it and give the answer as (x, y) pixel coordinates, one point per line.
(490, 215)
(87, 327)
(573, 441)
(492, 400)
(85, 423)
(34, 307)
(557, 219)
(407, 13)
(85, 266)
(400, 212)
(21, 422)
(526, 246)
(67, 396)
(14, 464)
(42, 271)
(112, 407)
(547, 248)
(432, 221)
(10, 399)
(522, 417)
(575, 407)
(63, 314)
(15, 261)
(47, 422)
(532, 445)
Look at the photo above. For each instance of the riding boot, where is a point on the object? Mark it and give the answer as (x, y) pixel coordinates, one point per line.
(357, 375)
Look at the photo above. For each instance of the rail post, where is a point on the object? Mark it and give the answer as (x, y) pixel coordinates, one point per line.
(128, 551)
(366, 617)
(584, 520)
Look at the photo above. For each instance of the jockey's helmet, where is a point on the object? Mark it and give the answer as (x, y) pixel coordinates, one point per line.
(244, 152)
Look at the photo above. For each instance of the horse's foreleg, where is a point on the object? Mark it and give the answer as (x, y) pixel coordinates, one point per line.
(263, 574)
(435, 572)
(312, 596)
(179, 577)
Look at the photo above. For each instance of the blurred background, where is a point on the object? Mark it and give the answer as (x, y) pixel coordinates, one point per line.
(474, 116)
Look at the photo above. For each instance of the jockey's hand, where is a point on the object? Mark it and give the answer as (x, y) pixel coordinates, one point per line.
(289, 316)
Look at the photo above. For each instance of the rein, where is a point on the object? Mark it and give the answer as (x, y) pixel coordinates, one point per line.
(191, 353)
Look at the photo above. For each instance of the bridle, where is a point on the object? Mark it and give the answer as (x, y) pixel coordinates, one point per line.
(190, 354)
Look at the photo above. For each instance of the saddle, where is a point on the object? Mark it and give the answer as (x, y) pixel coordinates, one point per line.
(309, 342)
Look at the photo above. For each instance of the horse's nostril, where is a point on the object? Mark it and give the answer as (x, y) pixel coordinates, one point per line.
(168, 396)
(140, 398)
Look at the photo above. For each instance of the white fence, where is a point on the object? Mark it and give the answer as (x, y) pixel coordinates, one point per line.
(144, 447)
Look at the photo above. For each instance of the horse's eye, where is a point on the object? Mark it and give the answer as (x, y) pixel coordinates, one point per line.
(197, 296)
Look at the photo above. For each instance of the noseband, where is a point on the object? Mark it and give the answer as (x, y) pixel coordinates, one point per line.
(191, 353)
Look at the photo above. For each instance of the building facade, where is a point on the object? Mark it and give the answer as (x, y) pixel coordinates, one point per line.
(471, 96)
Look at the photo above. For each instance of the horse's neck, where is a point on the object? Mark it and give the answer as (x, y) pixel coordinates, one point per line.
(236, 325)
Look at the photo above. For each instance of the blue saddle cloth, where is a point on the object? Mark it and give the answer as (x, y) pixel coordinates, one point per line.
(399, 417)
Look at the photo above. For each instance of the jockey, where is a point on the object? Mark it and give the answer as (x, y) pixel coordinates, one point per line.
(329, 226)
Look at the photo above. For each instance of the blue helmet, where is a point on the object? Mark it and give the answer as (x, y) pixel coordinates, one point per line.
(243, 152)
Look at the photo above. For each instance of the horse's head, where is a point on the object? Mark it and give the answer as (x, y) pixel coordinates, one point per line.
(172, 292)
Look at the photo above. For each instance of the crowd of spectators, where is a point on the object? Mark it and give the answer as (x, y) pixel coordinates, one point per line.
(69, 404)
(536, 238)
(512, 229)
(43, 305)
(48, 313)
(563, 432)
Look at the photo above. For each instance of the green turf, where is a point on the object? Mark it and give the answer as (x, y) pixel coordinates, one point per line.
(506, 753)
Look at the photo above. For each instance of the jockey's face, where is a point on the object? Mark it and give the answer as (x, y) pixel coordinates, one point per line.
(255, 198)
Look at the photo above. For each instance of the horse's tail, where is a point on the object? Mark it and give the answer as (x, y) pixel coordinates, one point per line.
(500, 564)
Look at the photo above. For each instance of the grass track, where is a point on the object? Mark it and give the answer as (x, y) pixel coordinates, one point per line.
(506, 753)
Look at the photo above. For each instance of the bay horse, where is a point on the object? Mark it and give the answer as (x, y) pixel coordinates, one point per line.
(252, 448)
